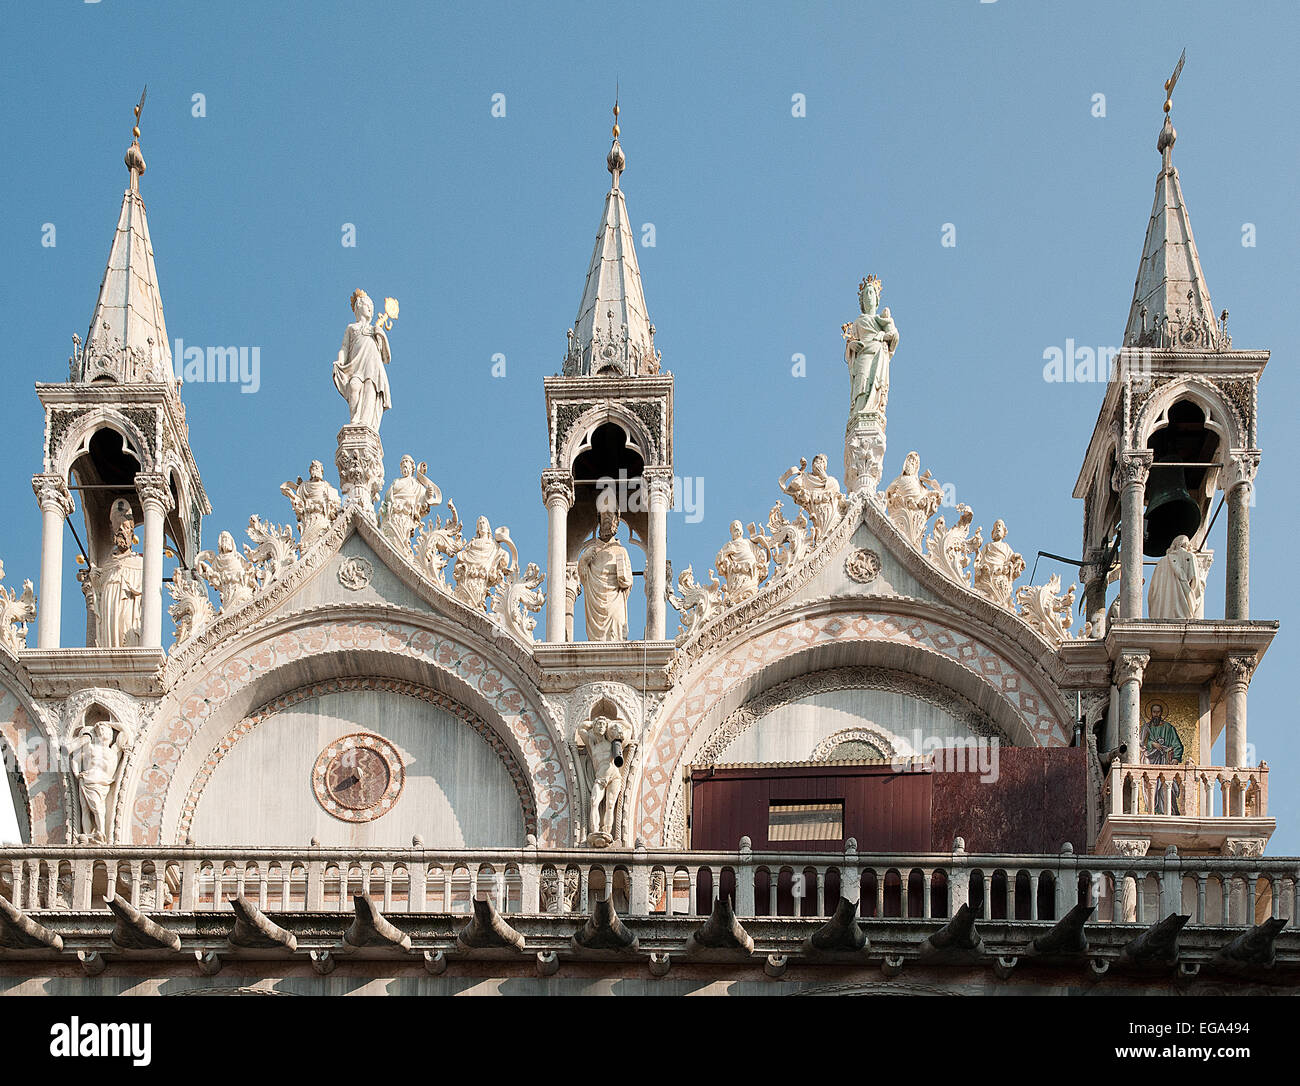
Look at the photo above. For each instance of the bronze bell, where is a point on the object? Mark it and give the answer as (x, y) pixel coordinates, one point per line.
(1171, 510)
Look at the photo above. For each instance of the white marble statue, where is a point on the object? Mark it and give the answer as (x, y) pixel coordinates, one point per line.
(97, 756)
(608, 744)
(229, 572)
(817, 493)
(1177, 592)
(912, 499)
(360, 372)
(950, 549)
(439, 542)
(697, 602)
(788, 542)
(118, 584)
(15, 612)
(192, 610)
(742, 564)
(869, 343)
(996, 567)
(315, 503)
(481, 565)
(274, 550)
(407, 503)
(518, 600)
(605, 573)
(1046, 610)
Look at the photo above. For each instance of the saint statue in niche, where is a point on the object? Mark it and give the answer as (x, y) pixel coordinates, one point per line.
(605, 573)
(118, 584)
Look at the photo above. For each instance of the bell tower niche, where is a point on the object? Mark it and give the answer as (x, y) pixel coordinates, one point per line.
(610, 417)
(116, 438)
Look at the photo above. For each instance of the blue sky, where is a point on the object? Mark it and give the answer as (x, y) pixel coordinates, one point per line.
(917, 115)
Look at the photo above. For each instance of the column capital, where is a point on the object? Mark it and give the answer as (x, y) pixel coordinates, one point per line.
(153, 490)
(1238, 671)
(1242, 466)
(52, 493)
(1132, 469)
(557, 486)
(1130, 667)
(659, 484)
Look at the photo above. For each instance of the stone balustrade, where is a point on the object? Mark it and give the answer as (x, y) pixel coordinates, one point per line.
(649, 883)
(1188, 791)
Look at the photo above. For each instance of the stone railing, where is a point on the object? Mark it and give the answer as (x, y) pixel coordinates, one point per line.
(1188, 791)
(645, 883)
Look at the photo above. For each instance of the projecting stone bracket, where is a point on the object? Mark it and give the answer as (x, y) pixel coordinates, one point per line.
(604, 930)
(1253, 949)
(18, 931)
(255, 930)
(956, 941)
(722, 934)
(1158, 945)
(841, 934)
(487, 930)
(371, 929)
(135, 931)
(1066, 935)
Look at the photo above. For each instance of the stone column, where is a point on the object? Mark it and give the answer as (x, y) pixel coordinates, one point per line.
(56, 506)
(1237, 672)
(1130, 480)
(1128, 671)
(1093, 576)
(572, 586)
(557, 493)
(659, 482)
(1239, 484)
(156, 500)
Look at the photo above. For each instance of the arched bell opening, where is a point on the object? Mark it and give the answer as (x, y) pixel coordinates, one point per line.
(1184, 469)
(608, 475)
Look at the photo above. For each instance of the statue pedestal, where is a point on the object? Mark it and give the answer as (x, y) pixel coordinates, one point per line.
(864, 454)
(599, 840)
(360, 460)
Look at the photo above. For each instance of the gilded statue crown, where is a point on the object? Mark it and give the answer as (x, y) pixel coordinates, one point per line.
(870, 279)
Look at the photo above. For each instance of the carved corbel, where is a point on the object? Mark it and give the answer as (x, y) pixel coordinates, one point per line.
(1158, 944)
(842, 933)
(255, 930)
(956, 939)
(487, 930)
(135, 931)
(722, 931)
(370, 928)
(604, 930)
(18, 931)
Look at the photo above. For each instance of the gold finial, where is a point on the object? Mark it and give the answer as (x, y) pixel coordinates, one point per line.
(616, 110)
(1172, 81)
(134, 159)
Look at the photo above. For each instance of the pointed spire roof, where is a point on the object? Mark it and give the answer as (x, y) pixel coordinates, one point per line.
(613, 335)
(127, 340)
(1171, 303)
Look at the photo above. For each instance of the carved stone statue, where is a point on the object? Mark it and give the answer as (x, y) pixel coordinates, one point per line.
(97, 758)
(1177, 592)
(1046, 610)
(869, 343)
(315, 503)
(817, 493)
(742, 563)
(481, 565)
(518, 600)
(439, 542)
(605, 573)
(229, 572)
(15, 612)
(950, 549)
(787, 541)
(359, 371)
(192, 610)
(118, 584)
(697, 603)
(912, 499)
(274, 552)
(996, 567)
(608, 743)
(407, 503)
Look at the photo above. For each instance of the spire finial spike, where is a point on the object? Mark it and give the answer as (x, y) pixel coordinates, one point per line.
(616, 161)
(134, 159)
(1165, 142)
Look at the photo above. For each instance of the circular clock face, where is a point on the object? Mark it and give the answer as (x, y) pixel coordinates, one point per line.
(358, 778)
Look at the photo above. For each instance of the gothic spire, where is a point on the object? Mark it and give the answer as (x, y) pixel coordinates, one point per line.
(1171, 303)
(127, 340)
(613, 335)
